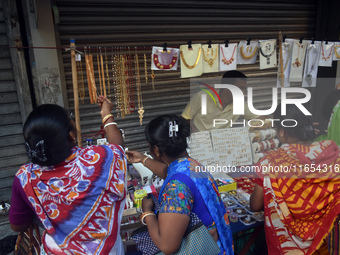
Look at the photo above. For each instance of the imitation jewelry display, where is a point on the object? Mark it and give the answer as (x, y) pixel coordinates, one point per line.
(102, 69)
(165, 60)
(311, 49)
(139, 91)
(90, 77)
(99, 73)
(212, 59)
(337, 55)
(107, 75)
(297, 62)
(196, 62)
(267, 48)
(81, 87)
(231, 59)
(145, 69)
(323, 52)
(250, 53)
(285, 48)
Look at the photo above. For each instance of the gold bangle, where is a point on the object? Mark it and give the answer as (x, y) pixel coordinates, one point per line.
(107, 117)
(146, 214)
(145, 160)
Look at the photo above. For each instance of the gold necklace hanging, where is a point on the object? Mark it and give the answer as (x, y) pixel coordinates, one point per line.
(117, 83)
(139, 90)
(337, 55)
(297, 63)
(99, 73)
(152, 76)
(323, 55)
(91, 82)
(285, 45)
(107, 76)
(248, 56)
(210, 60)
(102, 69)
(196, 62)
(80, 78)
(145, 69)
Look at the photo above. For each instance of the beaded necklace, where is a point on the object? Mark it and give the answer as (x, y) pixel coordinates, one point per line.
(231, 59)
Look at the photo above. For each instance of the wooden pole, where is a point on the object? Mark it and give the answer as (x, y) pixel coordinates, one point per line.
(75, 90)
(281, 60)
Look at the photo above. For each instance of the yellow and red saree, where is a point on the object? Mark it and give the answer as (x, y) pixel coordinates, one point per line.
(301, 196)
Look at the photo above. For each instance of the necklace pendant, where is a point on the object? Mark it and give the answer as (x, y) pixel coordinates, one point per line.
(309, 79)
(211, 62)
(225, 61)
(268, 61)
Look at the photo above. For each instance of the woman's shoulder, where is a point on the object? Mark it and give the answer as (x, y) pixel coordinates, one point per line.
(116, 149)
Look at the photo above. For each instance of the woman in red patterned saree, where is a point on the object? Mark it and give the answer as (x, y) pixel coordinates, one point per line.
(299, 189)
(77, 193)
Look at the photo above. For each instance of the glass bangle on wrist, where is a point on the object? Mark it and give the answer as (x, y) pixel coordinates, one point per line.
(109, 124)
(143, 162)
(144, 215)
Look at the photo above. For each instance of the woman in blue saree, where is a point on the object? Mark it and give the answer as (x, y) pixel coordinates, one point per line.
(186, 191)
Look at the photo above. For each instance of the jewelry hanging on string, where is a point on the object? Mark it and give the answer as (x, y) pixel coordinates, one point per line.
(311, 49)
(107, 76)
(131, 88)
(99, 73)
(139, 90)
(285, 49)
(212, 59)
(90, 76)
(337, 55)
(297, 62)
(146, 68)
(323, 52)
(248, 56)
(102, 69)
(80, 78)
(153, 75)
(231, 59)
(269, 51)
(196, 62)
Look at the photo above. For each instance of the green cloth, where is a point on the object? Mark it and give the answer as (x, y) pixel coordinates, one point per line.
(333, 130)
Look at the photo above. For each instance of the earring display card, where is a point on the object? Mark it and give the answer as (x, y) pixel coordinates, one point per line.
(311, 64)
(247, 54)
(287, 48)
(232, 146)
(298, 60)
(228, 57)
(164, 60)
(336, 55)
(268, 54)
(191, 61)
(326, 57)
(201, 148)
(210, 58)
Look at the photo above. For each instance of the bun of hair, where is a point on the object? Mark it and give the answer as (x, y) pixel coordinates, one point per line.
(158, 132)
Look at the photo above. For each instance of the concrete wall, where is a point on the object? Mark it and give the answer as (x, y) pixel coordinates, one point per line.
(44, 62)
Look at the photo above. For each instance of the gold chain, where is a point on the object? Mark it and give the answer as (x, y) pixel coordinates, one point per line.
(139, 91)
(196, 62)
(107, 76)
(145, 68)
(337, 55)
(210, 60)
(247, 57)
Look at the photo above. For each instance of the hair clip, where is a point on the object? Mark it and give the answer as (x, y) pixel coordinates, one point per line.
(39, 147)
(173, 128)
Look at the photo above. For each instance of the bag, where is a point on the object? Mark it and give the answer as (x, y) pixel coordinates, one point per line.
(197, 240)
(27, 242)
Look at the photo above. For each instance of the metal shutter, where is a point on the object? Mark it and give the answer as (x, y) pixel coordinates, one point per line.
(110, 23)
(12, 150)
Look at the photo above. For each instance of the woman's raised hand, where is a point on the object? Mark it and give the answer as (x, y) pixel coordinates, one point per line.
(135, 156)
